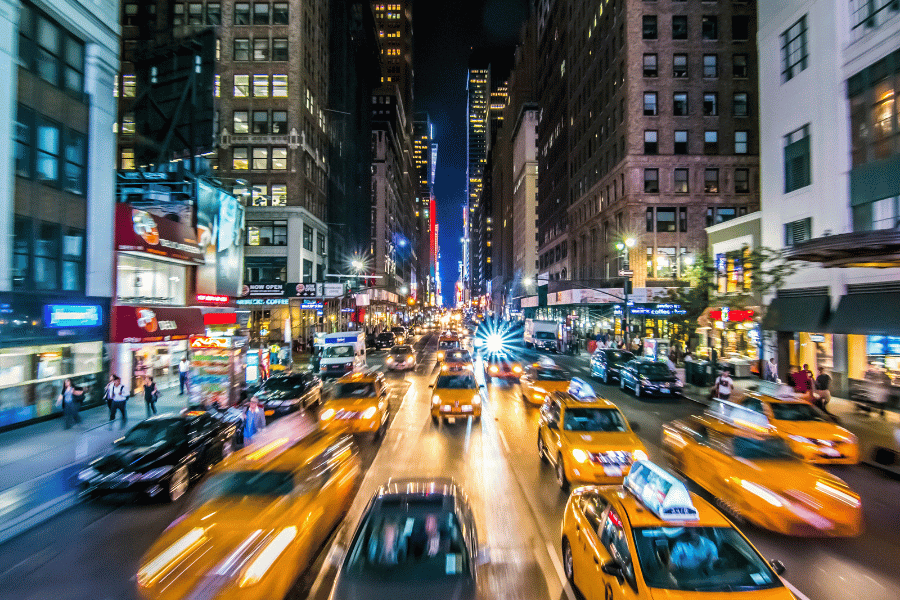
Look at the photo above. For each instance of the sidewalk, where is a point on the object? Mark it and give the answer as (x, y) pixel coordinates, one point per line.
(39, 463)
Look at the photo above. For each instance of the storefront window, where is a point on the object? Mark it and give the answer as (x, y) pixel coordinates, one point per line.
(148, 281)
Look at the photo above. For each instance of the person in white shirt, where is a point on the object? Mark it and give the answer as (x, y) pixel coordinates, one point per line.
(183, 368)
(119, 398)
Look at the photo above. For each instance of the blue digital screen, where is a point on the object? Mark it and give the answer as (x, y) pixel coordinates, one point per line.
(69, 315)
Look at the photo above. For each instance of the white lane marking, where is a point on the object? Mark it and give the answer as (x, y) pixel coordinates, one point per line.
(800, 595)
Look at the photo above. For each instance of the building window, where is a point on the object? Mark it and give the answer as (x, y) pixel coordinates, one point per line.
(320, 244)
(681, 142)
(260, 122)
(710, 66)
(651, 68)
(22, 239)
(279, 86)
(725, 213)
(267, 233)
(240, 159)
(260, 86)
(797, 159)
(241, 86)
(884, 213)
(49, 49)
(261, 49)
(741, 142)
(269, 269)
(127, 159)
(740, 28)
(742, 181)
(217, 85)
(680, 104)
(710, 142)
(649, 27)
(241, 124)
(651, 107)
(48, 146)
(260, 158)
(75, 163)
(710, 104)
(793, 50)
(651, 181)
(280, 50)
(681, 181)
(74, 65)
(649, 222)
(23, 132)
(651, 145)
(261, 13)
(178, 14)
(679, 27)
(279, 121)
(280, 13)
(739, 67)
(279, 158)
(709, 26)
(241, 13)
(665, 220)
(682, 220)
(873, 110)
(213, 13)
(279, 194)
(258, 196)
(73, 260)
(679, 65)
(741, 105)
(46, 256)
(307, 271)
(797, 231)
(195, 14)
(711, 181)
(307, 237)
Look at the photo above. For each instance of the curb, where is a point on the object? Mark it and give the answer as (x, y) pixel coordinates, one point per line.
(36, 516)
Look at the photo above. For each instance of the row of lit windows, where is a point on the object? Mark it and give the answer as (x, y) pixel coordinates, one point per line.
(258, 86)
(680, 142)
(259, 158)
(391, 51)
(263, 49)
(681, 181)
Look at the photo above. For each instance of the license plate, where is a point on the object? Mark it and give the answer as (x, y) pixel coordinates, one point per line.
(831, 452)
(612, 471)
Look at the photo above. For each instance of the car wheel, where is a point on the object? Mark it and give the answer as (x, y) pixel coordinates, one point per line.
(542, 451)
(568, 563)
(178, 483)
(561, 473)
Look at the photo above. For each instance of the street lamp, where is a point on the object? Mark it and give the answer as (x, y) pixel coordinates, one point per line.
(623, 247)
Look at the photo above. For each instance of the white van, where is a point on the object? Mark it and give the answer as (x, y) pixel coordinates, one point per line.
(541, 335)
(341, 353)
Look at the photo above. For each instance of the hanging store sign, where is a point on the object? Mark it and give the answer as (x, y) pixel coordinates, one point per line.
(140, 231)
(136, 324)
(213, 298)
(311, 306)
(732, 315)
(279, 290)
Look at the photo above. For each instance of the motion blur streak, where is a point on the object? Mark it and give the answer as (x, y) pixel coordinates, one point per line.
(183, 545)
(264, 561)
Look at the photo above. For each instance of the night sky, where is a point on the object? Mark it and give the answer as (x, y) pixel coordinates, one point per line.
(443, 35)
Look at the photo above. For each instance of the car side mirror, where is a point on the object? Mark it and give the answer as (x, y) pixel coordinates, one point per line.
(484, 556)
(614, 569)
(778, 567)
(635, 427)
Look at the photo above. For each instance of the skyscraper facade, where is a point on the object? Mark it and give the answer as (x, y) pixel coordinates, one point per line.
(477, 132)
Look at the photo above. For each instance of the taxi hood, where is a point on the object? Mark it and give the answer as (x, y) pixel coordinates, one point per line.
(599, 441)
(352, 403)
(450, 396)
(778, 593)
(820, 430)
(551, 385)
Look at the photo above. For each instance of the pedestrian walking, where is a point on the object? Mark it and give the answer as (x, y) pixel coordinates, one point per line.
(803, 380)
(120, 397)
(771, 370)
(183, 368)
(823, 388)
(108, 393)
(68, 401)
(254, 420)
(723, 387)
(151, 395)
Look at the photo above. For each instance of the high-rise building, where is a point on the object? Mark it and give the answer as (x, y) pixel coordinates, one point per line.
(830, 153)
(395, 30)
(57, 195)
(424, 153)
(477, 139)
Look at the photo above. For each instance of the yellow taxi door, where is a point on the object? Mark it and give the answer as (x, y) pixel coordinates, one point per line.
(618, 581)
(551, 414)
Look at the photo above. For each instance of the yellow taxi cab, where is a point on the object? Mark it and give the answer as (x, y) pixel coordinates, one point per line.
(455, 395)
(541, 379)
(456, 360)
(586, 439)
(651, 538)
(501, 365)
(754, 475)
(258, 521)
(447, 341)
(358, 404)
(810, 432)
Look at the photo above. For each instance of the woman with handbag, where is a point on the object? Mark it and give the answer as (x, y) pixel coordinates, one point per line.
(151, 395)
(68, 401)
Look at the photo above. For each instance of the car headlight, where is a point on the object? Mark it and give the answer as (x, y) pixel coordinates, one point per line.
(87, 474)
(435, 400)
(440, 356)
(369, 413)
(390, 359)
(494, 369)
(476, 399)
(639, 455)
(579, 455)
(156, 473)
(326, 414)
(410, 357)
(802, 440)
(539, 390)
(517, 369)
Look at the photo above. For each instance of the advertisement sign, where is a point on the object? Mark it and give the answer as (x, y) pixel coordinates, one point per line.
(280, 290)
(220, 232)
(135, 324)
(140, 231)
(311, 306)
(333, 290)
(598, 296)
(212, 298)
(66, 315)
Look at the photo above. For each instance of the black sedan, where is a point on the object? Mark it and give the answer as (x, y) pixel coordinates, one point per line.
(160, 456)
(649, 378)
(385, 339)
(606, 362)
(289, 393)
(417, 539)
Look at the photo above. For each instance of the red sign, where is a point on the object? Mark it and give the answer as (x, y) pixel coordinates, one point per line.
(139, 231)
(734, 315)
(213, 298)
(220, 319)
(140, 324)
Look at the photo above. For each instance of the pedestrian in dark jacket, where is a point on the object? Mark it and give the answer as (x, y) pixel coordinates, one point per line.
(151, 395)
(68, 401)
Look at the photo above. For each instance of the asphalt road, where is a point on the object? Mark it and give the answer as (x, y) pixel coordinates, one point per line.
(92, 551)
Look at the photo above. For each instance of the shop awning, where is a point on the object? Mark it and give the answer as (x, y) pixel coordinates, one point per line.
(802, 313)
(867, 314)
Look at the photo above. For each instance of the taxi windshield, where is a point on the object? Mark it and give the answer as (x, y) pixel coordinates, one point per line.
(761, 448)
(796, 411)
(701, 559)
(401, 350)
(236, 485)
(283, 384)
(593, 419)
(338, 352)
(458, 356)
(447, 344)
(354, 389)
(654, 370)
(456, 382)
(551, 375)
(405, 542)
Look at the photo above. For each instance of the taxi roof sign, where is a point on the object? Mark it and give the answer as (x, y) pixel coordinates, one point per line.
(581, 389)
(546, 361)
(661, 492)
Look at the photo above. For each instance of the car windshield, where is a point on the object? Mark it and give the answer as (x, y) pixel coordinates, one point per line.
(545, 335)
(701, 559)
(409, 542)
(401, 350)
(796, 411)
(456, 382)
(458, 356)
(354, 389)
(235, 485)
(398, 330)
(654, 370)
(593, 419)
(149, 433)
(618, 356)
(551, 375)
(448, 344)
(387, 335)
(283, 384)
(338, 352)
(761, 448)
